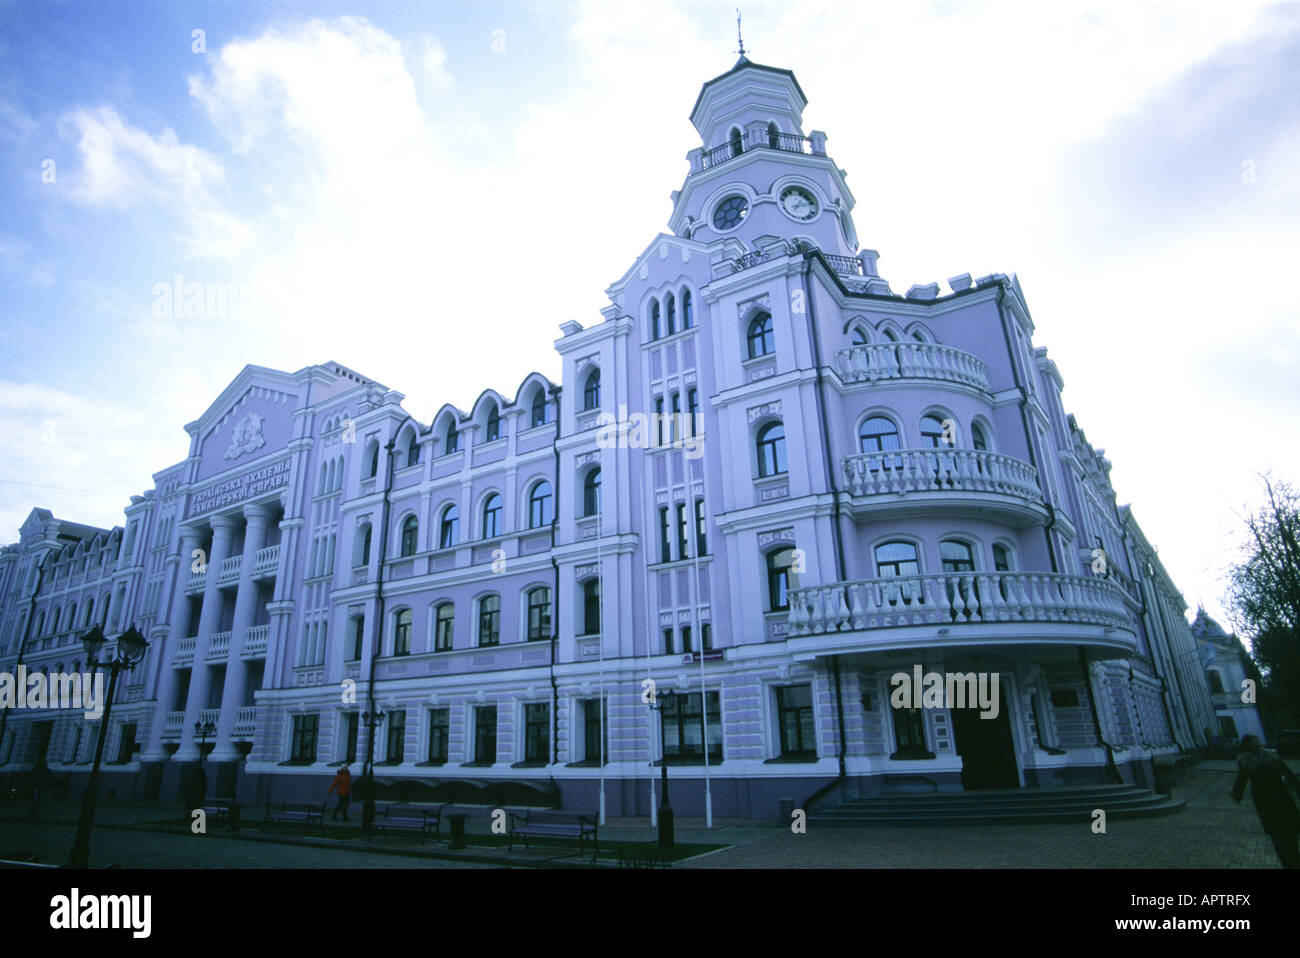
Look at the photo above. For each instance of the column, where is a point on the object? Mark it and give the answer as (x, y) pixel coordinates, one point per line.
(223, 529)
(232, 696)
(177, 625)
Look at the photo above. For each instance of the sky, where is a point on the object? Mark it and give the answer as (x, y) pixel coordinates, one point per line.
(424, 191)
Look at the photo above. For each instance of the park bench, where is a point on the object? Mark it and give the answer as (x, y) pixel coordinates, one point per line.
(543, 824)
(296, 813)
(409, 818)
(222, 810)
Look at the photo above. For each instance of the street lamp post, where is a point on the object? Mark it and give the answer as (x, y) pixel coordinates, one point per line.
(199, 790)
(372, 719)
(665, 810)
(131, 646)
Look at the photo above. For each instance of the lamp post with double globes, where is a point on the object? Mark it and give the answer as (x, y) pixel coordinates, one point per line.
(131, 646)
(372, 718)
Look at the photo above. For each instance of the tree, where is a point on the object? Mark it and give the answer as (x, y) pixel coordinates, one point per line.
(1264, 595)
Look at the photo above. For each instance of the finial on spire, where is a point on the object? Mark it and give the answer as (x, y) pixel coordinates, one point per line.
(739, 39)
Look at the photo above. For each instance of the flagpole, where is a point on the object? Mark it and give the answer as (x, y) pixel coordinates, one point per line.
(695, 610)
(600, 598)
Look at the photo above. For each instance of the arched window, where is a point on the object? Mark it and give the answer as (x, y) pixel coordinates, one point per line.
(493, 430)
(688, 310)
(591, 607)
(693, 425)
(889, 334)
(654, 319)
(977, 437)
(449, 528)
(363, 551)
(780, 579)
(761, 340)
(591, 391)
(540, 512)
(670, 307)
(90, 611)
(877, 434)
(489, 620)
(402, 632)
(412, 448)
(591, 494)
(736, 141)
(372, 460)
(539, 409)
(771, 449)
(444, 624)
(410, 536)
(956, 556)
(72, 618)
(896, 559)
(492, 517)
(932, 432)
(1001, 558)
(54, 623)
(451, 443)
(858, 336)
(539, 614)
(1215, 680)
(773, 136)
(919, 336)
(40, 623)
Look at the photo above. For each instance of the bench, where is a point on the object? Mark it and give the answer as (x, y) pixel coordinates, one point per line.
(531, 824)
(222, 810)
(296, 813)
(409, 818)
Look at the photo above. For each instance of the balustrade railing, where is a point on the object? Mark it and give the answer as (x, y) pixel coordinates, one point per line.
(873, 362)
(255, 640)
(903, 471)
(266, 560)
(219, 646)
(173, 724)
(956, 598)
(245, 721)
(184, 656)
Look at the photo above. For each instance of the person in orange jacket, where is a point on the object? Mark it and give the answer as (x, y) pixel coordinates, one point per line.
(342, 784)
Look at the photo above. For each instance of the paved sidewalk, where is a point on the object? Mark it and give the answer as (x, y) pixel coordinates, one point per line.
(1211, 832)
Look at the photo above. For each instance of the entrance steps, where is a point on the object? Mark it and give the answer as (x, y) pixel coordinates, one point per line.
(1064, 805)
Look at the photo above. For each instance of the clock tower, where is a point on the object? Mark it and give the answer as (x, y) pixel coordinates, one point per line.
(758, 177)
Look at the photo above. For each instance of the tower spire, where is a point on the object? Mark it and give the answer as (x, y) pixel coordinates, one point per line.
(740, 41)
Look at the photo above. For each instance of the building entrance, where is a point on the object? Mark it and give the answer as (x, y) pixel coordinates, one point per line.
(987, 750)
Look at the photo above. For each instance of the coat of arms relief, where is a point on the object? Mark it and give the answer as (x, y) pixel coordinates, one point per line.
(246, 436)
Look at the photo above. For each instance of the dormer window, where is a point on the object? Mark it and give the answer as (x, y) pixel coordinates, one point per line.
(452, 443)
(493, 430)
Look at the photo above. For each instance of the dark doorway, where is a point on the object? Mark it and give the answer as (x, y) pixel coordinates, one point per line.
(986, 747)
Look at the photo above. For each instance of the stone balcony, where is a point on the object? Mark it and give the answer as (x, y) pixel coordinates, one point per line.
(266, 562)
(184, 656)
(874, 363)
(255, 641)
(228, 574)
(172, 726)
(245, 721)
(219, 647)
(944, 481)
(976, 606)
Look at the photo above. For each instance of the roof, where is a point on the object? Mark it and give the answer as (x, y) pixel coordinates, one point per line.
(741, 64)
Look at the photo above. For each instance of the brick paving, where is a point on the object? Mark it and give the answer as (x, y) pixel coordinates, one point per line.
(1211, 832)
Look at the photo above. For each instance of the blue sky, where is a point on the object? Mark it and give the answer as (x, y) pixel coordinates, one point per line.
(425, 191)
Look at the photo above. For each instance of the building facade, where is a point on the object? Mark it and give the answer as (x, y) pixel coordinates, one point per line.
(765, 484)
(1232, 689)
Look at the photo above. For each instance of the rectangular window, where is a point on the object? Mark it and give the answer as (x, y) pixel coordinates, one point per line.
(683, 728)
(537, 733)
(443, 628)
(485, 735)
(701, 538)
(358, 638)
(706, 633)
(351, 721)
(665, 543)
(439, 726)
(909, 731)
(303, 744)
(668, 641)
(396, 738)
(686, 638)
(683, 537)
(126, 745)
(489, 620)
(539, 614)
(794, 716)
(591, 732)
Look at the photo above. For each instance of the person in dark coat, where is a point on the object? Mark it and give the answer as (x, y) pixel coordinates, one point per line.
(342, 784)
(1268, 776)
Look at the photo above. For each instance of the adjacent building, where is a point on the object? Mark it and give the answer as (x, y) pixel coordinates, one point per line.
(764, 484)
(1232, 688)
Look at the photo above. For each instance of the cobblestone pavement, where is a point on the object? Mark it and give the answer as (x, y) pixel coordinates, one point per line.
(1211, 832)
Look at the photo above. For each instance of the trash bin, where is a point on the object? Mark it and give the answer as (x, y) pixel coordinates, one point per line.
(457, 831)
(787, 810)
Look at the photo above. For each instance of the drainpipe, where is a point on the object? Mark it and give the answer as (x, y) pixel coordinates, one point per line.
(555, 602)
(815, 336)
(27, 631)
(368, 809)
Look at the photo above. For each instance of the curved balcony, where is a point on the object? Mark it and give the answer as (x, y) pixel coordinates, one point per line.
(986, 603)
(943, 481)
(873, 363)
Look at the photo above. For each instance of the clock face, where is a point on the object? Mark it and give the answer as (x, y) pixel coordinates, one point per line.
(798, 203)
(730, 212)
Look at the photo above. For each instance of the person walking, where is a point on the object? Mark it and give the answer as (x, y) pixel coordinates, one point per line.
(1268, 775)
(342, 785)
